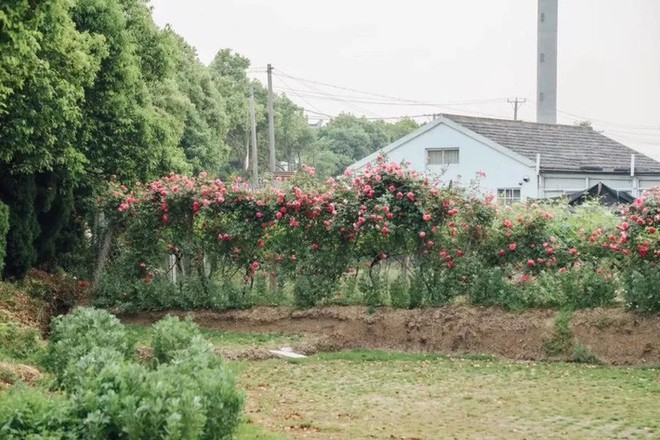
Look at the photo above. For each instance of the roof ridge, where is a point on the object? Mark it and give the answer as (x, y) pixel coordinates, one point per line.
(483, 118)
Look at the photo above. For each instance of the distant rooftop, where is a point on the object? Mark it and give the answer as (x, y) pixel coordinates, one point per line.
(562, 147)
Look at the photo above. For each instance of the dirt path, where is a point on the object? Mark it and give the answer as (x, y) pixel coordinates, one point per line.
(615, 336)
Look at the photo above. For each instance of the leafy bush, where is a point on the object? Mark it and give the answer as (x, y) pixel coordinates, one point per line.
(489, 288)
(561, 342)
(641, 288)
(18, 342)
(106, 394)
(399, 294)
(582, 354)
(28, 413)
(192, 396)
(582, 287)
(77, 334)
(169, 335)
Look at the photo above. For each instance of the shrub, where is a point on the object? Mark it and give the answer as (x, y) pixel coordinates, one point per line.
(641, 291)
(17, 341)
(561, 342)
(106, 394)
(399, 294)
(33, 414)
(170, 334)
(309, 290)
(77, 334)
(191, 396)
(586, 286)
(490, 288)
(214, 384)
(582, 354)
(23, 226)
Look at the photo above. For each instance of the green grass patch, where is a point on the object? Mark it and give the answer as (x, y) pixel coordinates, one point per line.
(142, 336)
(382, 355)
(358, 393)
(249, 431)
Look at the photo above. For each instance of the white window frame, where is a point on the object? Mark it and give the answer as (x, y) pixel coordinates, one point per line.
(508, 196)
(443, 161)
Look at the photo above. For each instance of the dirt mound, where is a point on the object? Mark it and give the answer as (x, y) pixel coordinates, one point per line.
(614, 335)
(11, 373)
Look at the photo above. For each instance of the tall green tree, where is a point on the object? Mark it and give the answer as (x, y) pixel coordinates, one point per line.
(207, 120)
(45, 67)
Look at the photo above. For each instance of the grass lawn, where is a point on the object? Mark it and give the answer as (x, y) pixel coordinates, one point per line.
(355, 395)
(374, 394)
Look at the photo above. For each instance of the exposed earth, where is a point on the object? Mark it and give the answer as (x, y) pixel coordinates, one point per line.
(615, 336)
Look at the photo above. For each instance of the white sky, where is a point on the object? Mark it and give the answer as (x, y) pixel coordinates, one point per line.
(472, 54)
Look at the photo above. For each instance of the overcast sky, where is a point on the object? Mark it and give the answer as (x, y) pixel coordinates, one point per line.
(465, 56)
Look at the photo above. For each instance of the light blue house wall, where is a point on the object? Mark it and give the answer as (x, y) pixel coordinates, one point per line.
(503, 167)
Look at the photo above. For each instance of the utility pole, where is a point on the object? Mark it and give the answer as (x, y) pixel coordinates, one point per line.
(253, 128)
(517, 102)
(271, 122)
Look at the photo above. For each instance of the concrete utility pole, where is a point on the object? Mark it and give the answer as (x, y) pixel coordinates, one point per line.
(271, 122)
(253, 129)
(517, 102)
(546, 62)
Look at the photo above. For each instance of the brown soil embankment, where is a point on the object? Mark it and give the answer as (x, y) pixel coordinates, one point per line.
(615, 336)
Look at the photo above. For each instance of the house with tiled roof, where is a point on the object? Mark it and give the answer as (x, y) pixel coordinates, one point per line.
(521, 159)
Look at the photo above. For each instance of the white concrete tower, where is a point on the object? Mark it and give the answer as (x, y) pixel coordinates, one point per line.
(546, 62)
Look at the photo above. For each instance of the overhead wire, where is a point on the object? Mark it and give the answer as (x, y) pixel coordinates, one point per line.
(331, 97)
(320, 94)
(304, 100)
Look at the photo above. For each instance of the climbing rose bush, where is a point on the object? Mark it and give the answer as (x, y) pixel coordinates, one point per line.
(312, 235)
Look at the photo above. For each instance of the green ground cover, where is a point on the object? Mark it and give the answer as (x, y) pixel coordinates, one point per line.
(384, 395)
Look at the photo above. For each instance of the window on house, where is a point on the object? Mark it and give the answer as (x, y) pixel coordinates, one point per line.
(442, 156)
(508, 196)
(542, 58)
(542, 17)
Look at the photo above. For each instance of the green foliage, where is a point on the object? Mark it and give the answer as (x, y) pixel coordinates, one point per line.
(18, 342)
(582, 354)
(399, 294)
(20, 193)
(75, 335)
(29, 413)
(561, 343)
(490, 288)
(4, 228)
(169, 335)
(641, 290)
(46, 65)
(309, 290)
(578, 288)
(189, 394)
(374, 288)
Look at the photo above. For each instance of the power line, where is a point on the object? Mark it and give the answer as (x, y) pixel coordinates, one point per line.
(392, 98)
(329, 96)
(303, 99)
(358, 108)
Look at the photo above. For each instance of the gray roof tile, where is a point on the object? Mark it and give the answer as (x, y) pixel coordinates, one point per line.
(562, 147)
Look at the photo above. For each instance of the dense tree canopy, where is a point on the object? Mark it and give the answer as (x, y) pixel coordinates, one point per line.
(94, 90)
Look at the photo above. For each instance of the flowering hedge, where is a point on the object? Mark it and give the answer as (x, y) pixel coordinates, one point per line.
(312, 237)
